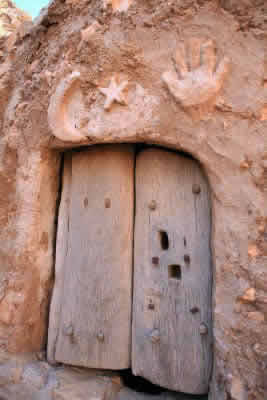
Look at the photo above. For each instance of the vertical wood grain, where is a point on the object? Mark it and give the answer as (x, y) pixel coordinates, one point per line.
(172, 330)
(95, 320)
(61, 252)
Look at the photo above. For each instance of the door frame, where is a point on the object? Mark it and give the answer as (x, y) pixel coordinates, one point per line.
(140, 146)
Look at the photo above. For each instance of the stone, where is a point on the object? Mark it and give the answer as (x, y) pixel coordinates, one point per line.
(245, 164)
(260, 350)
(10, 373)
(89, 32)
(249, 295)
(18, 392)
(264, 113)
(11, 17)
(118, 5)
(95, 388)
(35, 375)
(253, 250)
(256, 316)
(238, 391)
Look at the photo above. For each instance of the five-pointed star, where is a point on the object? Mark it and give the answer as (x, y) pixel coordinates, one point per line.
(114, 93)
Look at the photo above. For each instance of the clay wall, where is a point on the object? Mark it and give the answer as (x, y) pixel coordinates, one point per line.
(188, 75)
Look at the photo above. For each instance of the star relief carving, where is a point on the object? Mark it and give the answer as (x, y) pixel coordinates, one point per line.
(114, 93)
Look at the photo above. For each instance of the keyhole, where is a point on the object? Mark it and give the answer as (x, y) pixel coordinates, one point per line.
(175, 272)
(164, 240)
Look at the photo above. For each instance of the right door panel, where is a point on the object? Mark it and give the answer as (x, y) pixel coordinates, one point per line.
(172, 327)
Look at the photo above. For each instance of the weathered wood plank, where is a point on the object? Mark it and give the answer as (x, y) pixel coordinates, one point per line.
(95, 320)
(61, 252)
(172, 332)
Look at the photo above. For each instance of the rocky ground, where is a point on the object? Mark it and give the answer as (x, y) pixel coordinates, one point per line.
(29, 379)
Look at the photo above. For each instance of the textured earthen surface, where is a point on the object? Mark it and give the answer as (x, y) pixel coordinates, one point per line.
(11, 17)
(226, 132)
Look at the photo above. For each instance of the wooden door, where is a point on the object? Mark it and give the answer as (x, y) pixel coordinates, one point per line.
(172, 333)
(90, 318)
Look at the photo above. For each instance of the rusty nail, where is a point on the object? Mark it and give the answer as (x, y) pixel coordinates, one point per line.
(155, 336)
(151, 305)
(196, 188)
(155, 260)
(203, 329)
(187, 258)
(100, 337)
(153, 205)
(107, 203)
(194, 310)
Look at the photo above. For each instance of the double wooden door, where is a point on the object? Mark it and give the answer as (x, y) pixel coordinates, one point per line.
(133, 267)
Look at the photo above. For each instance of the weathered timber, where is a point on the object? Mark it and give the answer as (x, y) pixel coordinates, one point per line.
(61, 253)
(95, 319)
(172, 331)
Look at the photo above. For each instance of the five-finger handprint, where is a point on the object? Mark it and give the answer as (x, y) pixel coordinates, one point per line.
(198, 77)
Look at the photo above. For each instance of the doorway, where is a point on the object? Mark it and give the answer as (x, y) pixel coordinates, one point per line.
(134, 281)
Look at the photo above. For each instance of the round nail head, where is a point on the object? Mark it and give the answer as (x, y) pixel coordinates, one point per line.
(196, 188)
(100, 337)
(68, 330)
(203, 329)
(155, 260)
(155, 336)
(153, 205)
(187, 258)
(194, 310)
(107, 203)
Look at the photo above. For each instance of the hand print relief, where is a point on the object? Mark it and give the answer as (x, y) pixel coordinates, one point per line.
(198, 77)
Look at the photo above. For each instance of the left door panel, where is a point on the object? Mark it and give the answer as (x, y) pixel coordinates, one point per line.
(90, 316)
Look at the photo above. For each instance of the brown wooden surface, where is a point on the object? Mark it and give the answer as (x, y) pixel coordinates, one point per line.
(169, 310)
(95, 320)
(61, 252)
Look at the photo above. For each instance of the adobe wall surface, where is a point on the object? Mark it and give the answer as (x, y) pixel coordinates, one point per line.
(99, 71)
